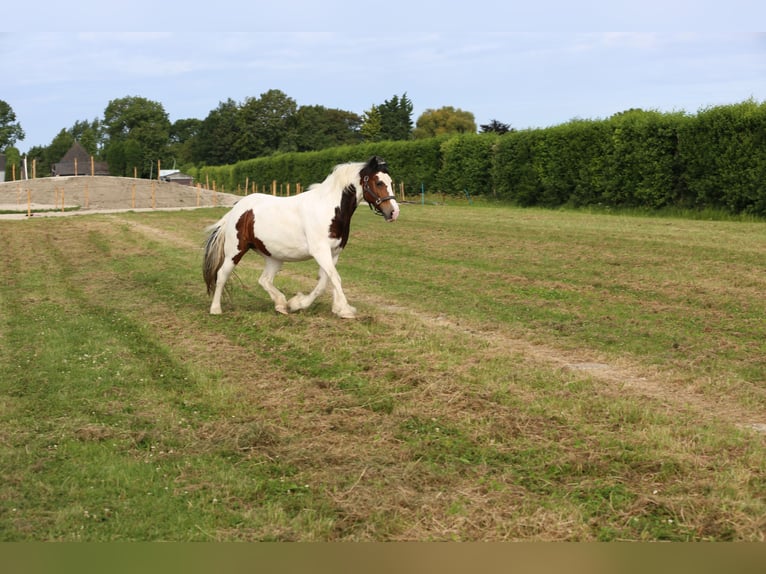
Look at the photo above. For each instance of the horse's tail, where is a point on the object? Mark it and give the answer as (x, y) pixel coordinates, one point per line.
(214, 253)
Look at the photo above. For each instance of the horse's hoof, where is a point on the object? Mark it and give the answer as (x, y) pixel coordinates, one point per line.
(282, 309)
(215, 311)
(296, 303)
(349, 313)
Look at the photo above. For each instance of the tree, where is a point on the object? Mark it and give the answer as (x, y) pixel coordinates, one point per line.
(314, 128)
(142, 121)
(496, 127)
(133, 154)
(218, 133)
(264, 124)
(115, 158)
(12, 163)
(90, 135)
(182, 137)
(371, 124)
(446, 120)
(45, 157)
(396, 118)
(88, 140)
(10, 129)
(38, 154)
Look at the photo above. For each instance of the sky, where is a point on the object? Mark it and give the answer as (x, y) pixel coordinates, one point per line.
(521, 65)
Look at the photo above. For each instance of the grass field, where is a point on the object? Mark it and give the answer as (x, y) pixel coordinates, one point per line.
(512, 375)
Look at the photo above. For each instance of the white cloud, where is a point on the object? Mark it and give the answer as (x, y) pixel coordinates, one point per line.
(526, 79)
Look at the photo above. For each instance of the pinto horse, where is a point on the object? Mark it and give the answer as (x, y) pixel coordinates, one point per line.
(315, 224)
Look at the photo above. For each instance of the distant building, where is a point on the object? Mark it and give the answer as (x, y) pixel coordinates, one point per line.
(77, 156)
(175, 176)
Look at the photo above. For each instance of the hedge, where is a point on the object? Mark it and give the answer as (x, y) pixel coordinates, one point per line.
(723, 154)
(714, 159)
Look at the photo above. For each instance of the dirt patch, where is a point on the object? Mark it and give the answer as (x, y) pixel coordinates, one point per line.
(53, 196)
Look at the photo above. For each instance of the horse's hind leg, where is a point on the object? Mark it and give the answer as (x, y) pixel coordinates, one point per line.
(270, 270)
(223, 275)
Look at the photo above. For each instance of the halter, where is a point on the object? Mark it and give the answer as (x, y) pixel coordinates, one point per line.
(367, 194)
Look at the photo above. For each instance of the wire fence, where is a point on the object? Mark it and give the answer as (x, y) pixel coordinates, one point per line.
(89, 193)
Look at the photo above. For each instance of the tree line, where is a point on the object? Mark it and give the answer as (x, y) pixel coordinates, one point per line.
(135, 132)
(714, 159)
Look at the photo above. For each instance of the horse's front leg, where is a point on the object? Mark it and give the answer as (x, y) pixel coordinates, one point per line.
(340, 305)
(301, 301)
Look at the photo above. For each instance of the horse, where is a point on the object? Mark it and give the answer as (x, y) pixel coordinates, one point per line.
(315, 223)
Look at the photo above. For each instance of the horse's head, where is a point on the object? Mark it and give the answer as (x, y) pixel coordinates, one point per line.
(377, 188)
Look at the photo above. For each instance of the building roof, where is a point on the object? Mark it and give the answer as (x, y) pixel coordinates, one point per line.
(76, 152)
(175, 175)
(67, 164)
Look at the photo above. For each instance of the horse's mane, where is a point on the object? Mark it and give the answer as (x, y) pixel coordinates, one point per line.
(341, 175)
(344, 174)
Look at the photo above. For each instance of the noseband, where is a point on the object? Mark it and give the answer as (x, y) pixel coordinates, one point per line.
(369, 195)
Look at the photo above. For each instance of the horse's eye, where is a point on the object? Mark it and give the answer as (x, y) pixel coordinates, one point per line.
(380, 184)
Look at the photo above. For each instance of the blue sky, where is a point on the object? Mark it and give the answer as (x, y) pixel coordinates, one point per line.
(521, 65)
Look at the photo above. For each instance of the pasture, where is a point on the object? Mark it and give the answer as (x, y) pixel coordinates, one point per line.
(511, 375)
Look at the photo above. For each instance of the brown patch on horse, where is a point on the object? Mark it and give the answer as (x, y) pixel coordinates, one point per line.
(246, 237)
(340, 226)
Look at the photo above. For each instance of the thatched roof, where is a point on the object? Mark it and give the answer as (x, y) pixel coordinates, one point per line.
(79, 157)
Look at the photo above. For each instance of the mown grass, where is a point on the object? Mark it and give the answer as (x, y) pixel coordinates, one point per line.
(441, 413)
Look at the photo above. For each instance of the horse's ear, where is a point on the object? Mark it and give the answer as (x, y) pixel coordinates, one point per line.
(376, 164)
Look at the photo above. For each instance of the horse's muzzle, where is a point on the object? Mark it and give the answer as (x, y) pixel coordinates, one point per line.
(393, 214)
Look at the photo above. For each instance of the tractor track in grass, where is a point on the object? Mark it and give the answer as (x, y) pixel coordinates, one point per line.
(619, 377)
